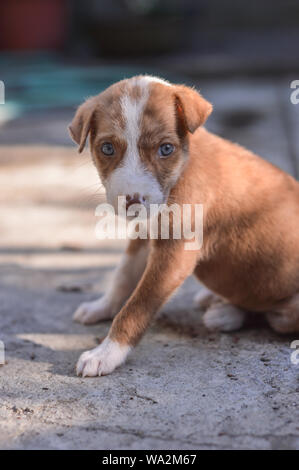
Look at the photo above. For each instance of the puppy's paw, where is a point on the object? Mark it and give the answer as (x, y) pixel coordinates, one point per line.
(204, 299)
(103, 359)
(224, 317)
(93, 312)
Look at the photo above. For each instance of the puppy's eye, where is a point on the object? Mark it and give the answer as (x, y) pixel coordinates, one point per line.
(165, 150)
(107, 148)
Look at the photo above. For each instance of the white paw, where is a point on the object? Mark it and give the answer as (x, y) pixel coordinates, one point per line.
(204, 298)
(224, 317)
(92, 312)
(103, 359)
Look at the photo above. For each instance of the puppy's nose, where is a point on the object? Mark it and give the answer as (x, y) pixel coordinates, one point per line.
(135, 199)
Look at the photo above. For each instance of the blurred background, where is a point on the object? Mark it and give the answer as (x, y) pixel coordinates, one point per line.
(242, 56)
(56, 53)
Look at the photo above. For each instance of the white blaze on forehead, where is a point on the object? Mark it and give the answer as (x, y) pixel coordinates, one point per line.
(132, 110)
(131, 176)
(150, 78)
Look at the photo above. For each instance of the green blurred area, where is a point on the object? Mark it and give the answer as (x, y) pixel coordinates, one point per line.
(45, 82)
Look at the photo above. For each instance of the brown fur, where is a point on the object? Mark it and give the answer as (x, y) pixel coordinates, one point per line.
(250, 252)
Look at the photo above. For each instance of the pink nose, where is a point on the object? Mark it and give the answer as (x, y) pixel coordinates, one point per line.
(135, 199)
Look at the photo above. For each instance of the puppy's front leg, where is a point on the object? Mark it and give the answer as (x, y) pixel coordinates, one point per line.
(168, 266)
(125, 280)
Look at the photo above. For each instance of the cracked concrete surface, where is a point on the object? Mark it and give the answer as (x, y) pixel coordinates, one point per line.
(182, 388)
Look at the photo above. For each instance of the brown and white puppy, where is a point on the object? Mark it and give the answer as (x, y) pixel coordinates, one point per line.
(148, 144)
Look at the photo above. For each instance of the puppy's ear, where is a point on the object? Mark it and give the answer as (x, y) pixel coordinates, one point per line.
(192, 109)
(81, 124)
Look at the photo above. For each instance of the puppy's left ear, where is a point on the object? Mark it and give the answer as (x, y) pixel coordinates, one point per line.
(191, 107)
(81, 124)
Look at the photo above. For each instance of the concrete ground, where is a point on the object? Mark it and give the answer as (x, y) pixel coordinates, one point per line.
(183, 387)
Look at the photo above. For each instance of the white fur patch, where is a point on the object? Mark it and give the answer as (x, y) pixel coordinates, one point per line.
(131, 176)
(224, 317)
(150, 78)
(103, 359)
(204, 298)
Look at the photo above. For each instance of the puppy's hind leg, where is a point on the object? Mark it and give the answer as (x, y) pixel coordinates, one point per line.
(204, 299)
(284, 317)
(224, 317)
(125, 280)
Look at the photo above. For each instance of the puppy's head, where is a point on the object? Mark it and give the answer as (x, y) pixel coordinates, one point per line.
(138, 132)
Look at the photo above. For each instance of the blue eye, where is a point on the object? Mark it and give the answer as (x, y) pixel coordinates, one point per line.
(107, 148)
(165, 150)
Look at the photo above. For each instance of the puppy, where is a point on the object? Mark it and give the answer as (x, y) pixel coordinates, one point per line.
(148, 144)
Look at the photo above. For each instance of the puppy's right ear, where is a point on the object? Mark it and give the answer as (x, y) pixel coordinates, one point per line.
(81, 124)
